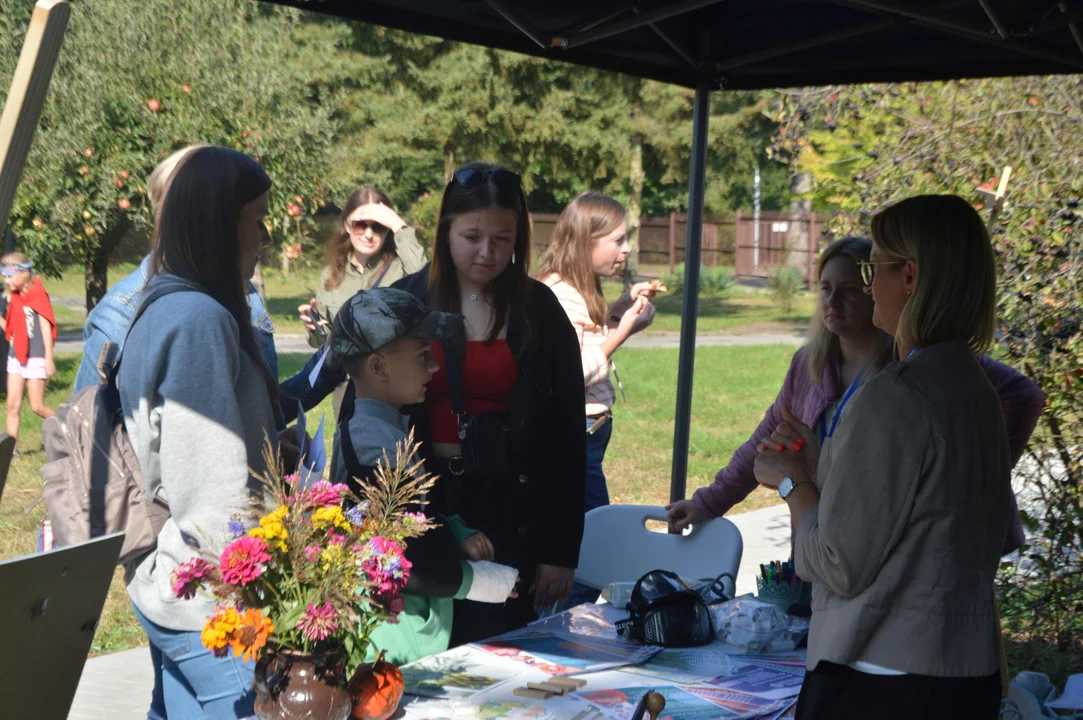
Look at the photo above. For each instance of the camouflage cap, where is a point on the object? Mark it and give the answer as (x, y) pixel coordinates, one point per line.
(371, 319)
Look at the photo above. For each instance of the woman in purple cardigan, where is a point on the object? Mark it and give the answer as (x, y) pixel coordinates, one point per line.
(845, 348)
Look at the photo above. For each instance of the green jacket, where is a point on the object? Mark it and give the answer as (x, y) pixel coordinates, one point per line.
(409, 258)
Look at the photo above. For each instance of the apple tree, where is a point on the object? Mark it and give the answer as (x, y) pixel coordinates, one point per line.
(134, 82)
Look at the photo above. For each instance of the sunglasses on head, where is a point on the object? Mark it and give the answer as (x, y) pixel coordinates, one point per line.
(360, 226)
(472, 178)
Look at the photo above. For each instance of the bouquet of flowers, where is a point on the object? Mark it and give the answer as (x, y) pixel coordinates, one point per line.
(319, 572)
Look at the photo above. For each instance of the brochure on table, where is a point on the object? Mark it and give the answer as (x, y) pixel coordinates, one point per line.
(699, 683)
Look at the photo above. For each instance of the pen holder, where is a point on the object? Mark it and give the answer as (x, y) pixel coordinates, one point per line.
(782, 595)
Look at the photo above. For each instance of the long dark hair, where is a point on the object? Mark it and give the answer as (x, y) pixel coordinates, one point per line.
(195, 236)
(340, 247)
(510, 287)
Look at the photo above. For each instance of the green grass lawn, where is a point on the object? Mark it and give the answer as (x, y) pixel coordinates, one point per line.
(741, 310)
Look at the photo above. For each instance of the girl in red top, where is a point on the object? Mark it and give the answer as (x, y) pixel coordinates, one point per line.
(31, 331)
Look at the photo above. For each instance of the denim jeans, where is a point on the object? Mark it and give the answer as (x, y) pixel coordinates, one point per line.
(597, 495)
(597, 492)
(190, 682)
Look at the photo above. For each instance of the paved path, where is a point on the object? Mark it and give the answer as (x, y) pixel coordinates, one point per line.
(284, 343)
(117, 686)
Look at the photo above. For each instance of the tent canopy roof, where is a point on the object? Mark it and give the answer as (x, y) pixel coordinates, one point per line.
(749, 44)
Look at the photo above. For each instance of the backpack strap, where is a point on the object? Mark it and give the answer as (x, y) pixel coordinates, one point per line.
(454, 351)
(345, 442)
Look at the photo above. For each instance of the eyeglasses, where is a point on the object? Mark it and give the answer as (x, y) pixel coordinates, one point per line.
(473, 178)
(360, 226)
(868, 268)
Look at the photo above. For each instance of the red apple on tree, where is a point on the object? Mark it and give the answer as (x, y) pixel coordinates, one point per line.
(88, 152)
(119, 183)
(124, 174)
(124, 203)
(186, 89)
(39, 223)
(154, 105)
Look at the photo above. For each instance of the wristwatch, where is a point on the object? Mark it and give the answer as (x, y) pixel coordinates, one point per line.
(786, 487)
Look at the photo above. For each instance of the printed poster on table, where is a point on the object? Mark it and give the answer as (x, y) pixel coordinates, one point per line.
(559, 654)
(456, 674)
(758, 678)
(685, 667)
(685, 703)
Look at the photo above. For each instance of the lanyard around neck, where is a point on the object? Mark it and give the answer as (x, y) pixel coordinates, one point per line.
(825, 431)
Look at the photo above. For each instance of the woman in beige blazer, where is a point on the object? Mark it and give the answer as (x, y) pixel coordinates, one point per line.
(901, 515)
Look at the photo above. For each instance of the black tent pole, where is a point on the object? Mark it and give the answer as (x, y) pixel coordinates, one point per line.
(690, 305)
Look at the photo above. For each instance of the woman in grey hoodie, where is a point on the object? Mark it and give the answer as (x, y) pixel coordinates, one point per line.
(199, 403)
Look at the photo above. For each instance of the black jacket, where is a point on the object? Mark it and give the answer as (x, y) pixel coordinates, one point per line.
(544, 495)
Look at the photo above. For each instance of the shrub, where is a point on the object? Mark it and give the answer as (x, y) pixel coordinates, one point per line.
(784, 284)
(717, 281)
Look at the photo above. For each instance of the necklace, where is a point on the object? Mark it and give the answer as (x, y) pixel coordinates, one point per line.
(473, 296)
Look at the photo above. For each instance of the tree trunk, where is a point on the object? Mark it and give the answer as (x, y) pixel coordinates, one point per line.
(798, 240)
(635, 208)
(96, 279)
(449, 162)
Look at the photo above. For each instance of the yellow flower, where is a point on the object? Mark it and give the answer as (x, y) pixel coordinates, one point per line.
(330, 515)
(332, 556)
(271, 529)
(216, 632)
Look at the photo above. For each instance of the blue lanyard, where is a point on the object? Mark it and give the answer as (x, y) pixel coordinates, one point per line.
(824, 431)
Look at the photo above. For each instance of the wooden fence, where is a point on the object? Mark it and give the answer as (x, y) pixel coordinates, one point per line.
(728, 241)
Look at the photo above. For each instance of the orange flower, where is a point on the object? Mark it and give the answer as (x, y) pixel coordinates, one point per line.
(219, 628)
(251, 634)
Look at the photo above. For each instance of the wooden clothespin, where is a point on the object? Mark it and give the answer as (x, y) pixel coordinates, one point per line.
(996, 197)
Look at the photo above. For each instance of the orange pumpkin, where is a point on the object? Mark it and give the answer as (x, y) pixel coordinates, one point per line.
(376, 691)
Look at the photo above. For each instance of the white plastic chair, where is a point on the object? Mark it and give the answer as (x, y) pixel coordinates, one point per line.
(618, 547)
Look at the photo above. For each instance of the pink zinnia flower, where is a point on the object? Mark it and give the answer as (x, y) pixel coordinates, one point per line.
(188, 577)
(243, 560)
(318, 623)
(324, 493)
(387, 568)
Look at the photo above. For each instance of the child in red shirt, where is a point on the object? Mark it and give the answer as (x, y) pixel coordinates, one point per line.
(31, 331)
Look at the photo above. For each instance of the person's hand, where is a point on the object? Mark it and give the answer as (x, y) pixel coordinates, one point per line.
(644, 290)
(477, 547)
(628, 320)
(381, 214)
(551, 583)
(289, 450)
(50, 368)
(684, 513)
(309, 311)
(795, 435)
(773, 464)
